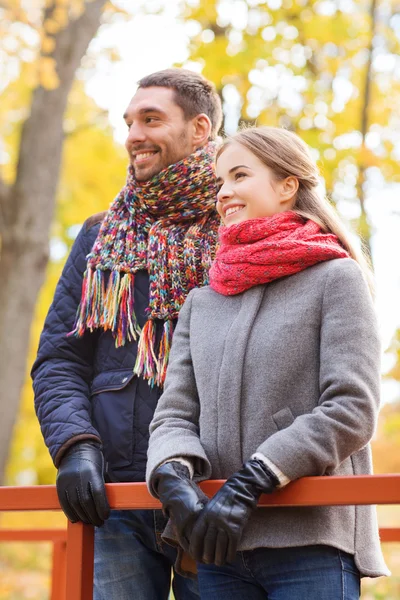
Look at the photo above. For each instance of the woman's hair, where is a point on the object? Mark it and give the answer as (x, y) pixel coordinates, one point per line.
(287, 155)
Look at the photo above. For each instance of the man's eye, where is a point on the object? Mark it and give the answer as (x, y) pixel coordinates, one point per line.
(150, 119)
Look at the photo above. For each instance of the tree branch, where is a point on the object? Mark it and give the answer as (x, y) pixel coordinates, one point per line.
(4, 203)
(364, 225)
(4, 189)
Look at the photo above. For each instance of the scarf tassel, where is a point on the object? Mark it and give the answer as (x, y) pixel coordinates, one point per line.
(90, 307)
(148, 365)
(163, 356)
(111, 309)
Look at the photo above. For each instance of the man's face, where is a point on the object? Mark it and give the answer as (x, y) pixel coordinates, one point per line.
(159, 135)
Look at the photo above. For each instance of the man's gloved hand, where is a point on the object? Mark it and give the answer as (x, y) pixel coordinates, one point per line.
(80, 484)
(181, 498)
(217, 532)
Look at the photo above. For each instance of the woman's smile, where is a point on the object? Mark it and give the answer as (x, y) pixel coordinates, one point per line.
(230, 210)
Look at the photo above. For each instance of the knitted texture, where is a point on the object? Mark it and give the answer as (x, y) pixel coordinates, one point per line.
(260, 250)
(167, 226)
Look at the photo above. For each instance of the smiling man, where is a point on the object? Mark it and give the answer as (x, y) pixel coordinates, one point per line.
(158, 135)
(104, 350)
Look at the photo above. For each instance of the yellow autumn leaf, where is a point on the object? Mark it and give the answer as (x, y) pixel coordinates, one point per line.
(60, 15)
(52, 26)
(76, 8)
(48, 77)
(367, 158)
(48, 44)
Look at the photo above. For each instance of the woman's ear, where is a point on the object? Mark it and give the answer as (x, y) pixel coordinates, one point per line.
(288, 191)
(201, 130)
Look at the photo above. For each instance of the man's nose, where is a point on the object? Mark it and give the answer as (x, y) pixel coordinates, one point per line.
(135, 134)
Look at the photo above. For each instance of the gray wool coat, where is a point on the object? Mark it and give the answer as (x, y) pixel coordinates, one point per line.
(289, 369)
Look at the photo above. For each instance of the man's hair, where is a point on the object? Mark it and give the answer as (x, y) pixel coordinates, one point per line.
(192, 93)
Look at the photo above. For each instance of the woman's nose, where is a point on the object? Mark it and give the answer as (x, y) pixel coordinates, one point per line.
(224, 193)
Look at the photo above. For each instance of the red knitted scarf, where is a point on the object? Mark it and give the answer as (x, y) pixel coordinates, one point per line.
(258, 251)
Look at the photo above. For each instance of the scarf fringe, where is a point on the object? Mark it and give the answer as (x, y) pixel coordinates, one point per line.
(110, 308)
(163, 356)
(148, 365)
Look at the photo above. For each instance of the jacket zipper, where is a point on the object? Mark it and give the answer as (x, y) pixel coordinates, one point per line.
(108, 389)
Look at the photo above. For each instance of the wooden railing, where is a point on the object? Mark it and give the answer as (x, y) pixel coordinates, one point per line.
(58, 537)
(77, 543)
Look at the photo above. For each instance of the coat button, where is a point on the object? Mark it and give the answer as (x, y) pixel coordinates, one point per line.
(124, 379)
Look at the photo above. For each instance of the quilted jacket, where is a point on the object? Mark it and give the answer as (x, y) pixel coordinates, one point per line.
(85, 387)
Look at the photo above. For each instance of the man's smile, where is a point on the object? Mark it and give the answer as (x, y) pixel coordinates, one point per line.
(143, 157)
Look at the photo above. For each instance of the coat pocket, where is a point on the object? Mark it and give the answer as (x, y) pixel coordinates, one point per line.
(113, 397)
(283, 418)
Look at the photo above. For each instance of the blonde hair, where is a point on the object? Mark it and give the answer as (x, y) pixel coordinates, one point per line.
(287, 155)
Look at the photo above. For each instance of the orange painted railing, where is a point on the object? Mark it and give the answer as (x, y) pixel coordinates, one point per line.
(309, 491)
(59, 539)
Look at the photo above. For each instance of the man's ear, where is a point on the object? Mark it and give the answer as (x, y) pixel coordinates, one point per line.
(288, 191)
(201, 130)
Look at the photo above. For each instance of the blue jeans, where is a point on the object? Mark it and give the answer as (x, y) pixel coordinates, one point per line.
(307, 573)
(131, 562)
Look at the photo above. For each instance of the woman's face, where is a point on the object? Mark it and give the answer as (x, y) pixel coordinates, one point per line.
(248, 189)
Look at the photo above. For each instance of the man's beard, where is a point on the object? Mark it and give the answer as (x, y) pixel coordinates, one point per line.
(172, 156)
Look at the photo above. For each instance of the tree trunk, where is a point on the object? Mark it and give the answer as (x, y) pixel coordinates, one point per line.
(364, 228)
(27, 211)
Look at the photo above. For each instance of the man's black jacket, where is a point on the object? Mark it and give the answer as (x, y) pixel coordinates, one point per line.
(85, 387)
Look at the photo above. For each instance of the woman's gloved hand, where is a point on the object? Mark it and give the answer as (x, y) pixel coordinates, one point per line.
(80, 484)
(181, 498)
(217, 532)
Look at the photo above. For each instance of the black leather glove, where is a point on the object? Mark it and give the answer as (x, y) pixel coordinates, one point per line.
(80, 484)
(181, 498)
(217, 532)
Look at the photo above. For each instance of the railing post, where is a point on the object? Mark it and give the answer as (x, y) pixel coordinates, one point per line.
(58, 578)
(80, 556)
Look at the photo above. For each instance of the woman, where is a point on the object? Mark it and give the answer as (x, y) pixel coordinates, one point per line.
(273, 376)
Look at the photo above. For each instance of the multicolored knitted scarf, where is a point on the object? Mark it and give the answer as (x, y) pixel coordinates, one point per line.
(258, 251)
(167, 226)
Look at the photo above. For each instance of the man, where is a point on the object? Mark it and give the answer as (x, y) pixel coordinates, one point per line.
(104, 349)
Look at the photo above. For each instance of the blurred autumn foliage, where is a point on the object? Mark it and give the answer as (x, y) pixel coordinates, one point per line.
(41, 45)
(327, 69)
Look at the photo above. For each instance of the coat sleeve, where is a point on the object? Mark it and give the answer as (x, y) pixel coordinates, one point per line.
(62, 371)
(345, 419)
(174, 430)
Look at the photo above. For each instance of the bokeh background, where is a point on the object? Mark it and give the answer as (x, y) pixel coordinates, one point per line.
(327, 69)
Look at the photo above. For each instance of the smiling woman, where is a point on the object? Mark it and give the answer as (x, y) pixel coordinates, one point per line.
(265, 171)
(249, 189)
(292, 389)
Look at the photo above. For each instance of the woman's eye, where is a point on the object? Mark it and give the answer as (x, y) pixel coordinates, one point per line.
(239, 174)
